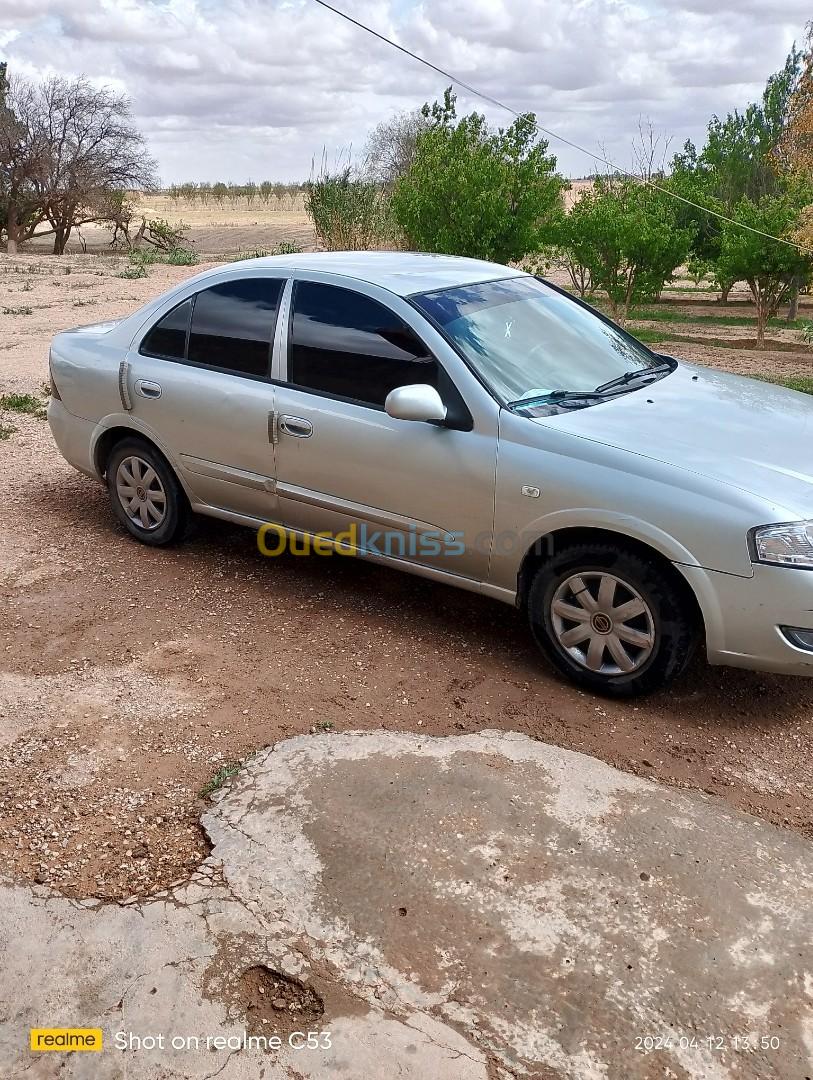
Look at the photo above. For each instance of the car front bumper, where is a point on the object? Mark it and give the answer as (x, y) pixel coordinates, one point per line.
(744, 615)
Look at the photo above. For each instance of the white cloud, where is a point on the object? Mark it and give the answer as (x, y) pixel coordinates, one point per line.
(224, 89)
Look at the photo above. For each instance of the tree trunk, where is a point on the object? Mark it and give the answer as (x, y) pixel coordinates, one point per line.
(62, 234)
(762, 322)
(13, 233)
(793, 307)
(724, 291)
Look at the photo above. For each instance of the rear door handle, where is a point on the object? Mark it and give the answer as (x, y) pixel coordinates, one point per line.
(147, 388)
(297, 426)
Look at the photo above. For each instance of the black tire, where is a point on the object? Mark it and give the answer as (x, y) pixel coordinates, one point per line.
(667, 622)
(173, 524)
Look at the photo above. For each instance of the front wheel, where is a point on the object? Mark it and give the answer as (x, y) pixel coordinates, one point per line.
(610, 619)
(145, 494)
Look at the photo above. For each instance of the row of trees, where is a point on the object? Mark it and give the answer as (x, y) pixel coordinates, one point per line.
(69, 152)
(266, 193)
(455, 185)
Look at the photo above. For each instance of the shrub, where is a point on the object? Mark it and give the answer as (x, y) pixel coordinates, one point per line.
(163, 236)
(181, 257)
(348, 212)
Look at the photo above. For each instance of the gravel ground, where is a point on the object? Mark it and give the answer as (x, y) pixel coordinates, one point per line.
(129, 677)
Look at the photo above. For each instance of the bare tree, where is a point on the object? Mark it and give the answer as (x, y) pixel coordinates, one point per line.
(69, 147)
(22, 161)
(390, 147)
(94, 150)
(649, 151)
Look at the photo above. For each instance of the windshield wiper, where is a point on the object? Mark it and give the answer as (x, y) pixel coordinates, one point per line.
(557, 397)
(634, 376)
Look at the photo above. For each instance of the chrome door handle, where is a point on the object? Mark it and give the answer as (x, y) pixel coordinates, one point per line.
(147, 388)
(297, 426)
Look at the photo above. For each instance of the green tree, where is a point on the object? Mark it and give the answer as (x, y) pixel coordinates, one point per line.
(740, 160)
(624, 238)
(474, 191)
(772, 269)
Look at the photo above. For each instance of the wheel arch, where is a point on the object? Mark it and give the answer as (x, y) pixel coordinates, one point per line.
(555, 541)
(113, 431)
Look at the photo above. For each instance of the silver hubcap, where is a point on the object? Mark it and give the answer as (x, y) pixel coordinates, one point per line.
(141, 493)
(603, 623)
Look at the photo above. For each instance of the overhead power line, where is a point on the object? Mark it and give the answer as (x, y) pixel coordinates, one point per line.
(552, 134)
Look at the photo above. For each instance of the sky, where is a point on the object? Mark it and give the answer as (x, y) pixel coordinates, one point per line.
(263, 89)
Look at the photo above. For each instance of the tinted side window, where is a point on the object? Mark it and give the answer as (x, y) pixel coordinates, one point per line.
(233, 324)
(168, 337)
(346, 344)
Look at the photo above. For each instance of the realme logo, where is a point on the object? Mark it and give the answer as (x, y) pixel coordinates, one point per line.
(65, 1039)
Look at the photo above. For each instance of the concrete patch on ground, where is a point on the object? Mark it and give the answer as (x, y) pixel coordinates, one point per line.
(471, 907)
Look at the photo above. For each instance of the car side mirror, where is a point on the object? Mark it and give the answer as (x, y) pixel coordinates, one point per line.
(417, 402)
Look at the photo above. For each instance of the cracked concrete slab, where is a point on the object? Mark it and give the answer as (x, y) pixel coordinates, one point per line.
(473, 907)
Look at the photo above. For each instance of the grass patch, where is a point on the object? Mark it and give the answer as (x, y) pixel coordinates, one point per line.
(802, 383)
(144, 257)
(178, 256)
(134, 271)
(6, 432)
(649, 336)
(224, 773)
(283, 248)
(18, 311)
(664, 315)
(690, 288)
(23, 403)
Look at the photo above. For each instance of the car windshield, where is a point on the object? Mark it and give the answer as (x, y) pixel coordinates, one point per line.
(527, 340)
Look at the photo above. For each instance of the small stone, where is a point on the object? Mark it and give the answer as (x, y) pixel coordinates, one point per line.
(278, 1004)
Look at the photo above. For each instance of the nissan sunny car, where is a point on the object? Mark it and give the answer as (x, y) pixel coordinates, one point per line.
(470, 423)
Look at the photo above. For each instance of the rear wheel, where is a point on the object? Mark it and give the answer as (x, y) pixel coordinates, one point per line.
(610, 619)
(145, 494)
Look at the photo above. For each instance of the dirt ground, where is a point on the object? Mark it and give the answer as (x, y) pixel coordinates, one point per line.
(129, 677)
(209, 230)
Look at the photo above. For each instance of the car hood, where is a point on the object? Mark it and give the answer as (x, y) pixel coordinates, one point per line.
(749, 434)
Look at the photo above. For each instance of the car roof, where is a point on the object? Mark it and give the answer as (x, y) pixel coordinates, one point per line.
(401, 272)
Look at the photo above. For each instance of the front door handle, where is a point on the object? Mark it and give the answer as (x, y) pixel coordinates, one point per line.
(147, 388)
(297, 426)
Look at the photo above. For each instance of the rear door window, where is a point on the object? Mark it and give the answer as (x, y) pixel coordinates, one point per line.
(229, 327)
(233, 326)
(167, 338)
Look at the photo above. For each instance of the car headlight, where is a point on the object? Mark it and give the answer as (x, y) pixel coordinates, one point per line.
(790, 544)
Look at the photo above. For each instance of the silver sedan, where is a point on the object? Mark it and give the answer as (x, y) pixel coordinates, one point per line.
(470, 423)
